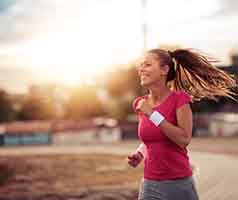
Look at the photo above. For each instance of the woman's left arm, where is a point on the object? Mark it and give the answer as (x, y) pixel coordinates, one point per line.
(181, 133)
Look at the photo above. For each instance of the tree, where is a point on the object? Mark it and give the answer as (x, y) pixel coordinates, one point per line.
(7, 112)
(122, 85)
(37, 108)
(84, 103)
(122, 80)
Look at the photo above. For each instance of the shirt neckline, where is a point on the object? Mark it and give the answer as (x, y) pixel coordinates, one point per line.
(163, 102)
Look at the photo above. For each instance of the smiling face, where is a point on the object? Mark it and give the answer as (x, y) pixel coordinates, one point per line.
(151, 72)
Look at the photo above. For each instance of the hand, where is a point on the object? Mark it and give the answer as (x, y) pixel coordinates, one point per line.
(145, 107)
(135, 159)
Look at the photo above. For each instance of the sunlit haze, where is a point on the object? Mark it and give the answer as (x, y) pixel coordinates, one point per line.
(69, 42)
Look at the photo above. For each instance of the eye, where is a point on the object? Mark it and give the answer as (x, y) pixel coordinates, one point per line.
(142, 65)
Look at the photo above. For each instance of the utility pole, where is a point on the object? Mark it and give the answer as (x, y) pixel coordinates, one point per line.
(144, 31)
(144, 24)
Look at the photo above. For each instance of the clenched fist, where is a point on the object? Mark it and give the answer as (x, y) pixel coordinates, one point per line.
(135, 159)
(145, 107)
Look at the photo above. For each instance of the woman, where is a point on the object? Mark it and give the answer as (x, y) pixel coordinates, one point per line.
(173, 79)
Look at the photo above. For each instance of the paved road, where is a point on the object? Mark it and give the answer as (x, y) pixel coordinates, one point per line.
(216, 169)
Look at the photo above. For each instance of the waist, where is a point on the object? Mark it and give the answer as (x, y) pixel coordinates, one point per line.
(165, 149)
(180, 180)
(164, 162)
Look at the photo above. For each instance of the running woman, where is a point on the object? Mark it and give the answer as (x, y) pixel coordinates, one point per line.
(174, 80)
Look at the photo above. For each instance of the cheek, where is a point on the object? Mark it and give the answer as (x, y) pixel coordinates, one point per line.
(156, 69)
(156, 73)
(156, 76)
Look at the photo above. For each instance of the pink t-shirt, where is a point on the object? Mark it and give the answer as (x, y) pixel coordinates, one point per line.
(165, 160)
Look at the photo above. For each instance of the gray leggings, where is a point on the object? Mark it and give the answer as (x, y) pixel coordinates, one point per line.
(179, 189)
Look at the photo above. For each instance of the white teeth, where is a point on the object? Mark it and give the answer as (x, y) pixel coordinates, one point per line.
(144, 76)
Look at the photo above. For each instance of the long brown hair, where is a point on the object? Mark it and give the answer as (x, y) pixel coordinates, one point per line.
(195, 73)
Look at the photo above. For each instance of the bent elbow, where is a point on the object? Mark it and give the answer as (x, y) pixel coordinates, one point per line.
(185, 142)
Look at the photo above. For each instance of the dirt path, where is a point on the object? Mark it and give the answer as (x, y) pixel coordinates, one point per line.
(216, 161)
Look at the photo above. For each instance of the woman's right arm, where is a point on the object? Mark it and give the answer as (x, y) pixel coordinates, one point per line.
(142, 149)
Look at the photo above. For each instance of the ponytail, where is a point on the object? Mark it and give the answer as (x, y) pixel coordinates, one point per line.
(196, 74)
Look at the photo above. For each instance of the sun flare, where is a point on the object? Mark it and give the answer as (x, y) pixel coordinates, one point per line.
(84, 44)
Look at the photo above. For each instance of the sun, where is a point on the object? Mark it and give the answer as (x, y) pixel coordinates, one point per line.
(80, 46)
(72, 59)
(85, 46)
(63, 58)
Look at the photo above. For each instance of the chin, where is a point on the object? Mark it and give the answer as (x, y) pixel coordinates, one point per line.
(145, 84)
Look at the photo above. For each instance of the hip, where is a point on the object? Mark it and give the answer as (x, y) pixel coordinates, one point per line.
(183, 188)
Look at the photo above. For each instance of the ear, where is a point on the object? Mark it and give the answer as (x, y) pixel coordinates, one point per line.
(164, 70)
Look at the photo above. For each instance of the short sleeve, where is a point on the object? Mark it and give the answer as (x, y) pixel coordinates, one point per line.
(182, 98)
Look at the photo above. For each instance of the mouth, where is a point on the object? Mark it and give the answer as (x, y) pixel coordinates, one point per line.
(144, 76)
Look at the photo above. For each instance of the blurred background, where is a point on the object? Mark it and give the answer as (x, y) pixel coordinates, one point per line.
(67, 82)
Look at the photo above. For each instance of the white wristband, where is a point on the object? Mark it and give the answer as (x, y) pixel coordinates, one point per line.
(142, 149)
(156, 118)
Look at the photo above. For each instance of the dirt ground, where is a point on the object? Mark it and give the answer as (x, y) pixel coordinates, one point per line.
(91, 176)
(100, 172)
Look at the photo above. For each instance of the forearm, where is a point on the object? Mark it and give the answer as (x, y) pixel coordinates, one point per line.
(175, 133)
(142, 149)
(180, 133)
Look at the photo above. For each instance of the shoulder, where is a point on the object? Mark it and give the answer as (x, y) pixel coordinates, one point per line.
(181, 93)
(182, 98)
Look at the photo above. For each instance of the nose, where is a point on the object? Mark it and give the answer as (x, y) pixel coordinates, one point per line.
(140, 66)
(141, 69)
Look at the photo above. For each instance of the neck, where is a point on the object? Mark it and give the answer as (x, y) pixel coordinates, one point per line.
(158, 92)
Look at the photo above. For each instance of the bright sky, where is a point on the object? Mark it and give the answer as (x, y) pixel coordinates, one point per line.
(67, 41)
